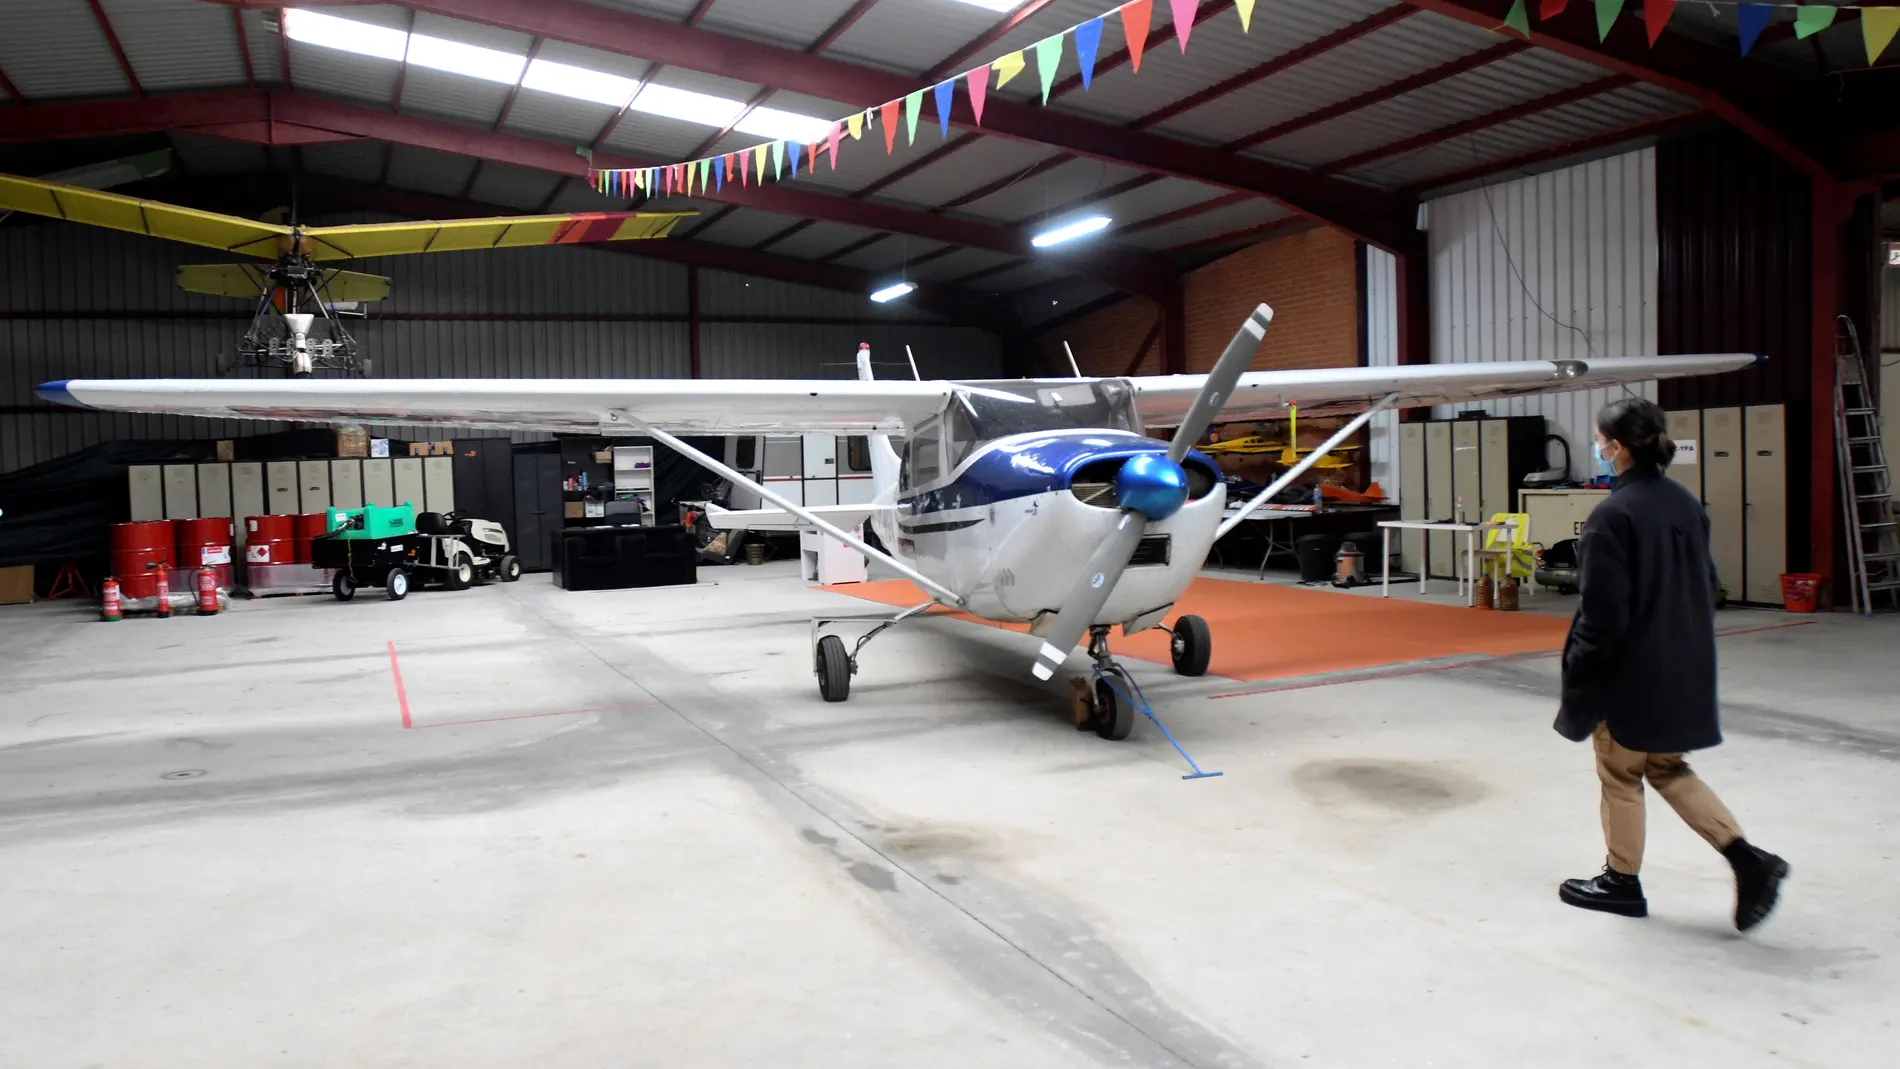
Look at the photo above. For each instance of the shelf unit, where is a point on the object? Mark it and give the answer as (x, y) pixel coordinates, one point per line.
(633, 478)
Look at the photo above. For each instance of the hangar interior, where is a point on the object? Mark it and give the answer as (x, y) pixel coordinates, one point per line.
(536, 770)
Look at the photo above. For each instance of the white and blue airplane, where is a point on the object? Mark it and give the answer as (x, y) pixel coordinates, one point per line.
(1038, 501)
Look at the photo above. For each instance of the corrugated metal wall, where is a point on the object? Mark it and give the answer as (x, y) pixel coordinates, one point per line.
(1890, 310)
(1558, 266)
(79, 302)
(1382, 350)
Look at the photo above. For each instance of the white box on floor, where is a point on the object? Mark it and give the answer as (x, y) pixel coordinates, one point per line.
(825, 560)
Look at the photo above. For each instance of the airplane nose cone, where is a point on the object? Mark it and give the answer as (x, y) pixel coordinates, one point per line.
(1152, 485)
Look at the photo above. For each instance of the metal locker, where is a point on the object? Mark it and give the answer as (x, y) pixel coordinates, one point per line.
(346, 484)
(821, 457)
(214, 489)
(407, 473)
(1765, 503)
(313, 485)
(1685, 429)
(1439, 501)
(1721, 452)
(147, 485)
(1412, 486)
(247, 494)
(1466, 472)
(438, 483)
(379, 484)
(181, 491)
(280, 478)
(1494, 468)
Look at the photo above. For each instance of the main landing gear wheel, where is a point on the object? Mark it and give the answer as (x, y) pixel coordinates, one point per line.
(342, 587)
(834, 669)
(1191, 646)
(1114, 715)
(462, 573)
(397, 584)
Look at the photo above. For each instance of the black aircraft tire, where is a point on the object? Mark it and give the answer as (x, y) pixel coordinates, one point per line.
(834, 669)
(1191, 646)
(1114, 717)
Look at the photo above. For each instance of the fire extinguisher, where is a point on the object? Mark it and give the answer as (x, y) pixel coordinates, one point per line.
(164, 596)
(109, 600)
(207, 592)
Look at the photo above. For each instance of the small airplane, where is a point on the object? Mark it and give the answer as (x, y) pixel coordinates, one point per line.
(1038, 501)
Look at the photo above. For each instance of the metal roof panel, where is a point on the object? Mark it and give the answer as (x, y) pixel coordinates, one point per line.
(358, 161)
(342, 74)
(549, 115)
(789, 25)
(177, 44)
(913, 36)
(1206, 225)
(515, 187)
(1035, 197)
(745, 227)
(958, 264)
(472, 33)
(430, 172)
(979, 162)
(214, 155)
(675, 10)
(890, 254)
(55, 48)
(455, 97)
(578, 196)
(820, 240)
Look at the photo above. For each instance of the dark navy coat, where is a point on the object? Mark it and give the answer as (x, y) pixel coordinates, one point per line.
(1641, 651)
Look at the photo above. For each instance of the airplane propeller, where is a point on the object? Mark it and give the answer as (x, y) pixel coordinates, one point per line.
(1150, 488)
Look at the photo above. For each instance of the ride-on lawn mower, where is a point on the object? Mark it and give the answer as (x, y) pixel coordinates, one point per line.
(394, 547)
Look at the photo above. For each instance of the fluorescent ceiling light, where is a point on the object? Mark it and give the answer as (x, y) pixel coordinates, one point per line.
(579, 83)
(994, 5)
(784, 125)
(1070, 231)
(473, 61)
(891, 293)
(313, 28)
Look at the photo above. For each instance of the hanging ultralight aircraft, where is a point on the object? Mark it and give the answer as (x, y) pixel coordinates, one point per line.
(1038, 501)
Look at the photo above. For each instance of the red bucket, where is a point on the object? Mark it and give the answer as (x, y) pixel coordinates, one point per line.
(270, 540)
(1801, 592)
(140, 551)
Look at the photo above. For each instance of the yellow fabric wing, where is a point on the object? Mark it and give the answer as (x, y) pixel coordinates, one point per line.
(401, 239)
(113, 211)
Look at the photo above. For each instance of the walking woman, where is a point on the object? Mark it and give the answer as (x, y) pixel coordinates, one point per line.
(1639, 667)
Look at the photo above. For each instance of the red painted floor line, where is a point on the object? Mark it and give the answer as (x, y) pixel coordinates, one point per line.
(536, 716)
(402, 696)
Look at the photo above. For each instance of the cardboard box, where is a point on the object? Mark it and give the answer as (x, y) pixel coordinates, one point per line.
(604, 456)
(352, 442)
(574, 510)
(441, 449)
(418, 449)
(227, 451)
(16, 585)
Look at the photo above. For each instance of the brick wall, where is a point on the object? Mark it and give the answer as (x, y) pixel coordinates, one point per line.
(1310, 278)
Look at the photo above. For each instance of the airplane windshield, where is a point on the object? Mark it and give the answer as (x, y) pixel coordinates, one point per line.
(998, 409)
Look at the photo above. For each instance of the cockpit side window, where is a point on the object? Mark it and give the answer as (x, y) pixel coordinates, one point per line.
(922, 455)
(962, 434)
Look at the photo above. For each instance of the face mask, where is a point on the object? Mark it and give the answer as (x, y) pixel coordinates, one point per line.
(1604, 467)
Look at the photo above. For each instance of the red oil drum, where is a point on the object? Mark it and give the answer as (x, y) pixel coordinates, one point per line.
(309, 525)
(140, 553)
(270, 540)
(206, 543)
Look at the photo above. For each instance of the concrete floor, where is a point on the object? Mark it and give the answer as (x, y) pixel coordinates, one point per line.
(621, 829)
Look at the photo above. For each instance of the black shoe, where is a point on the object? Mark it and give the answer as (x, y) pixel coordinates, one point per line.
(1758, 876)
(1612, 892)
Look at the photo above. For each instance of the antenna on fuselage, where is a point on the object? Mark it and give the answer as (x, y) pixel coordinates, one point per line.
(913, 364)
(1071, 352)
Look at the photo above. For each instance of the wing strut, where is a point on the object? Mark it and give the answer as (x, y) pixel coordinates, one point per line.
(625, 419)
(1299, 469)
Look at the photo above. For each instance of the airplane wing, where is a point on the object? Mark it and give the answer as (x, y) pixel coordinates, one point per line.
(1164, 399)
(681, 406)
(846, 516)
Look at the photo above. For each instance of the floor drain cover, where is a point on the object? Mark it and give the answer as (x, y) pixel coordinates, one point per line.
(184, 773)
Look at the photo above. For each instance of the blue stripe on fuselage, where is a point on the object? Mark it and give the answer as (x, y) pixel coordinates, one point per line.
(1030, 464)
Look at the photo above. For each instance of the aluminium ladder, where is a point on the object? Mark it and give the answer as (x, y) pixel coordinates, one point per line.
(1873, 541)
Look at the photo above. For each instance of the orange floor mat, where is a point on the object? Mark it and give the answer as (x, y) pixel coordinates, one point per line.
(1275, 632)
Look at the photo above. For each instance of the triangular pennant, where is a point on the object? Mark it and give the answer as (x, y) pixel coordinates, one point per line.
(945, 93)
(1088, 42)
(692, 172)
(1183, 19)
(1810, 19)
(1607, 11)
(705, 173)
(745, 170)
(1656, 16)
(669, 180)
(856, 125)
(1750, 21)
(888, 116)
(1008, 67)
(979, 83)
(778, 161)
(719, 174)
(1048, 58)
(791, 150)
(1550, 9)
(913, 106)
(1518, 18)
(1878, 25)
(837, 134)
(758, 161)
(1246, 15)
(1136, 18)
(811, 157)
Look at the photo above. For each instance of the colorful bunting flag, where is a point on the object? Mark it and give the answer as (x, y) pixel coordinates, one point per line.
(1607, 11)
(1008, 67)
(979, 83)
(913, 105)
(1550, 9)
(1136, 18)
(1810, 19)
(719, 174)
(745, 170)
(856, 125)
(811, 158)
(669, 179)
(791, 149)
(1878, 25)
(758, 161)
(1088, 41)
(1656, 16)
(1518, 18)
(1048, 58)
(945, 93)
(778, 161)
(1246, 15)
(1183, 19)
(837, 134)
(1750, 21)
(888, 113)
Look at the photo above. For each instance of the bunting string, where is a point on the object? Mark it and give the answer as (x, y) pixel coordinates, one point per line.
(1879, 26)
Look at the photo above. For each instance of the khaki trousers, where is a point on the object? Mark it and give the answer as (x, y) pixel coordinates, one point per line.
(1623, 772)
